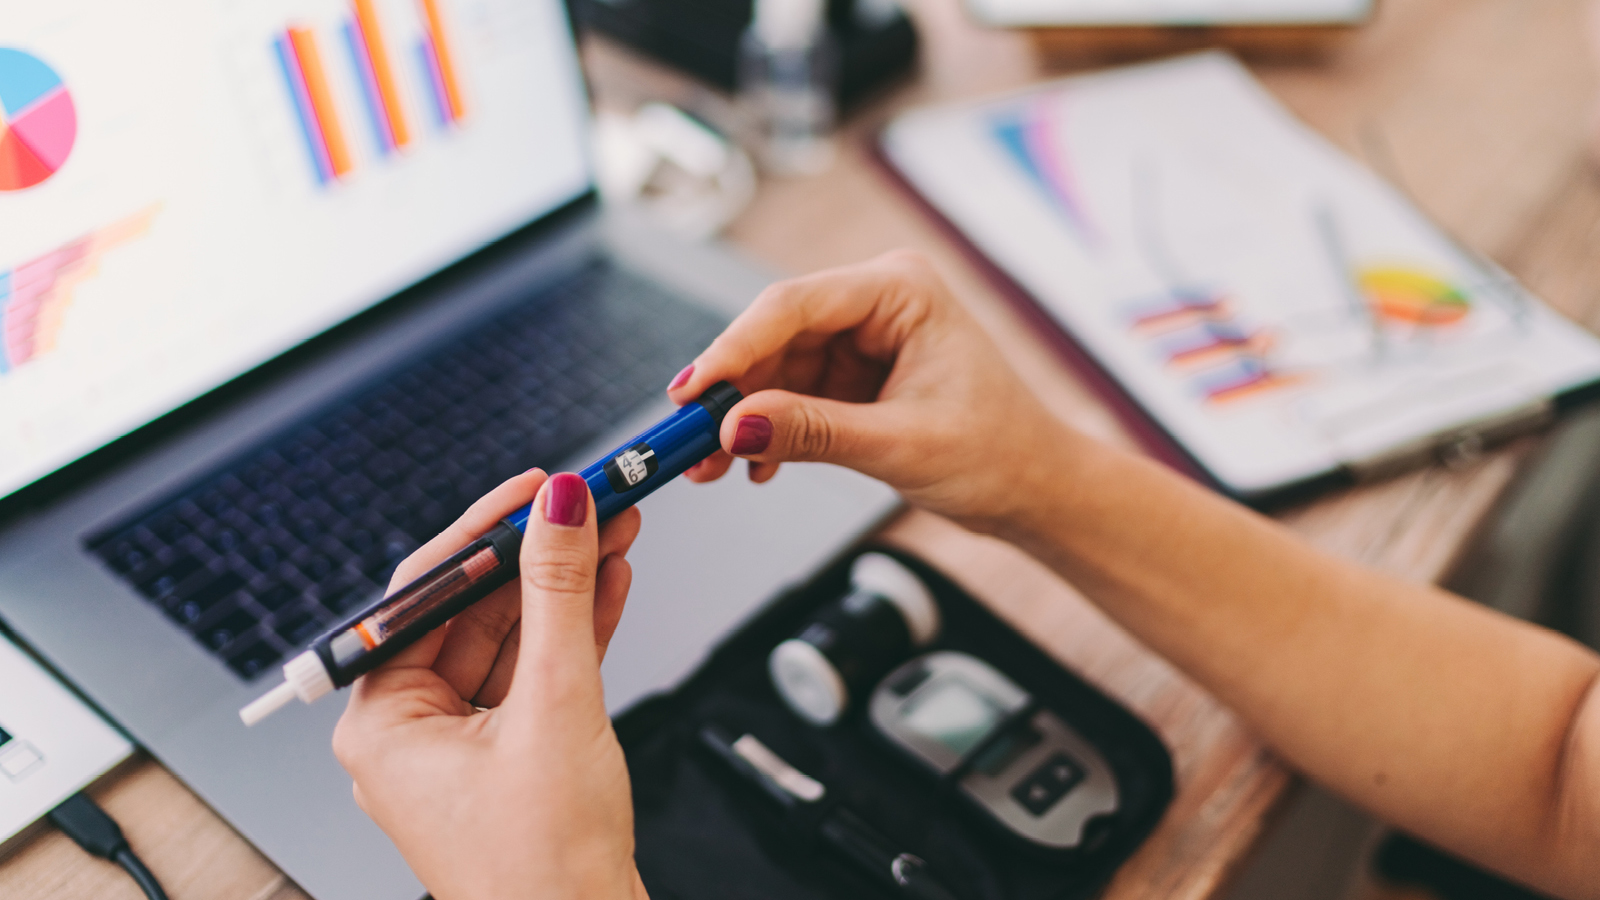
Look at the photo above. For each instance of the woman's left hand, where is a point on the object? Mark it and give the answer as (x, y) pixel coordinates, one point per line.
(531, 797)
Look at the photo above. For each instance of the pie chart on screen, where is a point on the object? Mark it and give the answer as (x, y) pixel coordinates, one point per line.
(38, 123)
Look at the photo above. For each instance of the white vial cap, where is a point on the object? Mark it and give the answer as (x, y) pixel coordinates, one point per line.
(787, 24)
(877, 573)
(809, 683)
(304, 677)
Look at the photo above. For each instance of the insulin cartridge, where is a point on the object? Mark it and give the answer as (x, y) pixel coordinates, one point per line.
(383, 628)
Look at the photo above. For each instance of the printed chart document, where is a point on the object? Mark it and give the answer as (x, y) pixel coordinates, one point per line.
(1275, 307)
(51, 744)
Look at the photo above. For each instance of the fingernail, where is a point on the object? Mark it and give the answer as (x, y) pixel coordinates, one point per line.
(682, 378)
(751, 435)
(567, 501)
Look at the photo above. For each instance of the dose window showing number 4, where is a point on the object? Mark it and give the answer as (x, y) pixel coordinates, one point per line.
(631, 467)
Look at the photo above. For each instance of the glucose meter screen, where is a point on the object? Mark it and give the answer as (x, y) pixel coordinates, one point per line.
(951, 713)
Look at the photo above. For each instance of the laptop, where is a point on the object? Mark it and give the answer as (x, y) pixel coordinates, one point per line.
(283, 288)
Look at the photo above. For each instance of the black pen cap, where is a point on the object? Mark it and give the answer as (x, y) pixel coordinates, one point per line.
(718, 399)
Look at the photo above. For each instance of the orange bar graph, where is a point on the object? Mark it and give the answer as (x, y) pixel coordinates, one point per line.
(447, 68)
(383, 71)
(305, 51)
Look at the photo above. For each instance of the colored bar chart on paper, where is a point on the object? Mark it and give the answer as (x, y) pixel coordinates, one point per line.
(376, 83)
(1413, 297)
(1197, 336)
(35, 295)
(38, 123)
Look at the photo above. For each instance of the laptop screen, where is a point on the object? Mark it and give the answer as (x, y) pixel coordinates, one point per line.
(190, 187)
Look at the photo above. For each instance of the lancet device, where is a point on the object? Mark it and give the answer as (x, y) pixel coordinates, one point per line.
(383, 628)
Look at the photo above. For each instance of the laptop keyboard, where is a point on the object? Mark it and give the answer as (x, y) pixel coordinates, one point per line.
(261, 555)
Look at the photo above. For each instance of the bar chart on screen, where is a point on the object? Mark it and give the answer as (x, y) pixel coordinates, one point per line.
(36, 294)
(369, 82)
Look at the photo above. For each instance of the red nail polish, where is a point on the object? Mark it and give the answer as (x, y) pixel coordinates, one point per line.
(682, 378)
(751, 435)
(566, 500)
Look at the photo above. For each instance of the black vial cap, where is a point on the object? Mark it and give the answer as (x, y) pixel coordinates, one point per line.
(718, 399)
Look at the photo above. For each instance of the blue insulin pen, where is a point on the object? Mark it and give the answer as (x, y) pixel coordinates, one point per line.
(372, 635)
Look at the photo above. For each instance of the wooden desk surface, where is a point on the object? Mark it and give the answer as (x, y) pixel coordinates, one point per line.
(1479, 108)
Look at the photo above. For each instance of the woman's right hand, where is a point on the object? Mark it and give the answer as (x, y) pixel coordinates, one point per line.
(876, 367)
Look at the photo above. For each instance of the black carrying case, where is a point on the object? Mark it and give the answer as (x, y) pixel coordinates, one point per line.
(703, 833)
(701, 37)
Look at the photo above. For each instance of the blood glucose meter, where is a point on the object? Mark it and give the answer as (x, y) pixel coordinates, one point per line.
(1020, 762)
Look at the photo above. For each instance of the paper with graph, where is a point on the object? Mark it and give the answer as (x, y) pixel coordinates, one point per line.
(1276, 307)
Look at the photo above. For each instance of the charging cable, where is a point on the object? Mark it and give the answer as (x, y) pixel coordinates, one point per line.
(93, 830)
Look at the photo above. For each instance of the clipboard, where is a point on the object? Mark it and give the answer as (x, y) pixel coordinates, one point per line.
(1264, 314)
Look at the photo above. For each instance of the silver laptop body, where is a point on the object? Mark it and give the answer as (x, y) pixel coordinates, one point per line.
(708, 555)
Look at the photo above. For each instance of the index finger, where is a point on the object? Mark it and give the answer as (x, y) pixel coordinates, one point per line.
(867, 297)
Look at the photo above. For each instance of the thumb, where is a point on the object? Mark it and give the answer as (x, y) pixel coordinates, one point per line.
(780, 426)
(560, 554)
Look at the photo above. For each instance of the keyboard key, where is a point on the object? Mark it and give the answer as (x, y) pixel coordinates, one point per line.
(191, 514)
(378, 565)
(209, 592)
(299, 454)
(267, 556)
(163, 580)
(276, 596)
(193, 603)
(254, 659)
(307, 528)
(317, 567)
(266, 514)
(299, 628)
(342, 597)
(168, 527)
(234, 517)
(360, 541)
(214, 502)
(256, 477)
(226, 630)
(124, 555)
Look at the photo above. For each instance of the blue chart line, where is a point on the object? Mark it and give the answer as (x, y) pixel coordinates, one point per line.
(1028, 137)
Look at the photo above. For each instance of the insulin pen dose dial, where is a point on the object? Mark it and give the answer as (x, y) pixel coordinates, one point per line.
(628, 469)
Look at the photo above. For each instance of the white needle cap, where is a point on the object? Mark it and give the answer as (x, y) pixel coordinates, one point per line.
(268, 703)
(303, 677)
